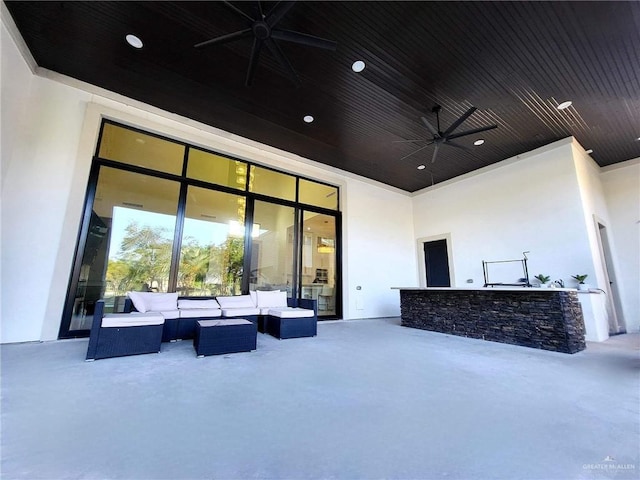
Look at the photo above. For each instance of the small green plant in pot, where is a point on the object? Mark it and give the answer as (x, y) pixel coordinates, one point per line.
(580, 279)
(543, 279)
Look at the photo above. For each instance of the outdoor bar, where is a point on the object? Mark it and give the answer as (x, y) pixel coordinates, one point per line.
(545, 318)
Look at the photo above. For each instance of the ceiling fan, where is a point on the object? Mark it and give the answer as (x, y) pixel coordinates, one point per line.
(445, 138)
(263, 29)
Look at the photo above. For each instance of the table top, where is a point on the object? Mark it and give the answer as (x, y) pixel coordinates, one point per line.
(223, 322)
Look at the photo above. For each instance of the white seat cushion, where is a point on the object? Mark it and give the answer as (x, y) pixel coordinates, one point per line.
(169, 314)
(135, 319)
(291, 312)
(240, 312)
(200, 312)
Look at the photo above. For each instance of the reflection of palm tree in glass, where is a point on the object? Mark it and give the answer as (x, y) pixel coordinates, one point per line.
(145, 257)
(194, 264)
(232, 263)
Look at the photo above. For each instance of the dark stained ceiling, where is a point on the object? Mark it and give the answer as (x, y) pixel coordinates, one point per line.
(514, 61)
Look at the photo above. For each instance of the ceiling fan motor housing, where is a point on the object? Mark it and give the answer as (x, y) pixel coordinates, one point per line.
(261, 29)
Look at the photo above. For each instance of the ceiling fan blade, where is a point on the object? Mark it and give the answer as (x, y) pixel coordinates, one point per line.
(430, 127)
(225, 38)
(253, 61)
(458, 122)
(471, 132)
(277, 12)
(238, 11)
(409, 141)
(415, 151)
(457, 145)
(435, 153)
(304, 39)
(275, 50)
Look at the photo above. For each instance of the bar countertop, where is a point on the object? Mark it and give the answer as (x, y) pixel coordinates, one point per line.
(488, 289)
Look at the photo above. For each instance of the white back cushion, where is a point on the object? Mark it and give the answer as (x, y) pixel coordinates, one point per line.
(236, 301)
(273, 298)
(159, 302)
(138, 301)
(154, 302)
(208, 303)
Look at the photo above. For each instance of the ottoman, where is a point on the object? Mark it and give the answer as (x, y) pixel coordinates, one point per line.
(291, 322)
(215, 337)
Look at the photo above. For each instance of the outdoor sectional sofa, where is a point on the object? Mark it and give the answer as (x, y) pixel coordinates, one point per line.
(151, 318)
(260, 307)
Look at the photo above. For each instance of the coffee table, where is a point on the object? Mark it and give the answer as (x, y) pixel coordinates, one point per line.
(216, 337)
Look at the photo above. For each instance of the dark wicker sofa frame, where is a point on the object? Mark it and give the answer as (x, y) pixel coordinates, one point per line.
(120, 341)
(185, 328)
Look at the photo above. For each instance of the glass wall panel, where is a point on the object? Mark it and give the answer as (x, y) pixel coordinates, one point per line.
(129, 243)
(274, 184)
(212, 251)
(319, 261)
(272, 247)
(318, 194)
(131, 239)
(135, 148)
(217, 169)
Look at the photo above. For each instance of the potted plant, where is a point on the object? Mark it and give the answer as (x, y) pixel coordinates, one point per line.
(543, 279)
(580, 279)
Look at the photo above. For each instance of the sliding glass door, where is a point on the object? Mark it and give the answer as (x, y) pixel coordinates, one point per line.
(272, 247)
(319, 274)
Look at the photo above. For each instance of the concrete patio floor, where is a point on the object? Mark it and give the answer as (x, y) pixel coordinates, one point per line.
(365, 399)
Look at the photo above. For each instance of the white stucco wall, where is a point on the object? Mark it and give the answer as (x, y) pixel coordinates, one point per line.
(42, 120)
(15, 76)
(378, 235)
(596, 215)
(621, 185)
(528, 203)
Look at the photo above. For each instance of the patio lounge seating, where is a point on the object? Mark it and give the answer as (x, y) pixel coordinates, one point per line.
(182, 313)
(118, 334)
(287, 318)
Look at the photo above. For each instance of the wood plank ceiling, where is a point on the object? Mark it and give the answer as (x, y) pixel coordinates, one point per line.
(514, 61)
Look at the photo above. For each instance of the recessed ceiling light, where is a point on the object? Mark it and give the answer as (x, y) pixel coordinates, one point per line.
(480, 141)
(564, 105)
(421, 167)
(308, 118)
(134, 41)
(358, 66)
(590, 151)
(638, 139)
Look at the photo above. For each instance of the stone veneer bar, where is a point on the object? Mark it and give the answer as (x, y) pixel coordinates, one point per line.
(545, 318)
